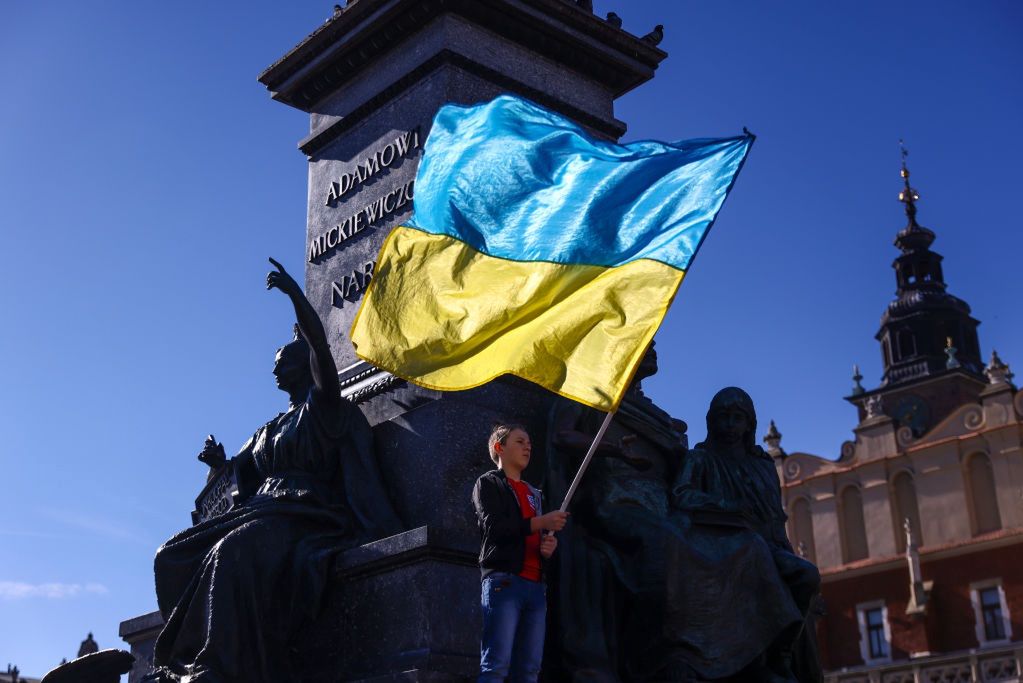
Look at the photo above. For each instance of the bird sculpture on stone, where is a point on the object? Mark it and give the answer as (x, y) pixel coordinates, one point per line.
(655, 36)
(338, 10)
(614, 20)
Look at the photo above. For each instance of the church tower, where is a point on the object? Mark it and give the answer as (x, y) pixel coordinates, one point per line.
(929, 344)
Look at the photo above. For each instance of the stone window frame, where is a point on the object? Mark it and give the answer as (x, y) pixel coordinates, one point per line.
(897, 513)
(978, 615)
(861, 619)
(844, 536)
(790, 511)
(971, 499)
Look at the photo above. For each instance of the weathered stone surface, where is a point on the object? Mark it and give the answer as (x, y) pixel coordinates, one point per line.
(140, 634)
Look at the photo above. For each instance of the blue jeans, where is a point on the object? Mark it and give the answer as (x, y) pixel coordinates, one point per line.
(514, 620)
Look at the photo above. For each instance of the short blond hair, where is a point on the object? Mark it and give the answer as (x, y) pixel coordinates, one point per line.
(499, 435)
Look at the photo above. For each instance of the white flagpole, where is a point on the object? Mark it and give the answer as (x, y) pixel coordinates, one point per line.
(586, 461)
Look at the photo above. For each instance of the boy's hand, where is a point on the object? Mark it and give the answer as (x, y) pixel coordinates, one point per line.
(548, 544)
(552, 521)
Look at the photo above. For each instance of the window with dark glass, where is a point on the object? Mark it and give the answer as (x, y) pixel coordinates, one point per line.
(875, 633)
(991, 610)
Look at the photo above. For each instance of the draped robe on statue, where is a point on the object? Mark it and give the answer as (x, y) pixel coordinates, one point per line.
(609, 569)
(740, 589)
(235, 588)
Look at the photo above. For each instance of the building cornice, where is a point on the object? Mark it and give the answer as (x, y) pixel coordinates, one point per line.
(917, 383)
(989, 541)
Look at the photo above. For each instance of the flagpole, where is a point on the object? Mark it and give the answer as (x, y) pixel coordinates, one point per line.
(586, 460)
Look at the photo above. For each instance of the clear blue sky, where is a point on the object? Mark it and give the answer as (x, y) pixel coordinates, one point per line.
(145, 176)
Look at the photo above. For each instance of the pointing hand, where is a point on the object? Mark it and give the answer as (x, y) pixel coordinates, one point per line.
(281, 280)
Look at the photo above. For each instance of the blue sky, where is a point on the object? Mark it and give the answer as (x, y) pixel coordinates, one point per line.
(145, 176)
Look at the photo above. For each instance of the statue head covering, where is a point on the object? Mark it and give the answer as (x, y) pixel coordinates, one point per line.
(734, 397)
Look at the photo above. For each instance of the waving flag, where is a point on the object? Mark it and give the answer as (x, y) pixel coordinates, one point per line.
(539, 251)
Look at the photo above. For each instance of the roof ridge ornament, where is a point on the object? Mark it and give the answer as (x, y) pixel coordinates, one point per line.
(997, 370)
(857, 378)
(952, 363)
(773, 440)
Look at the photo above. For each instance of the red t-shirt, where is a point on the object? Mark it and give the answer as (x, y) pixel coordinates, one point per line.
(531, 562)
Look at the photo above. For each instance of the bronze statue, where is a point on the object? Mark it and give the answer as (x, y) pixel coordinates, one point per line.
(235, 589)
(737, 597)
(608, 580)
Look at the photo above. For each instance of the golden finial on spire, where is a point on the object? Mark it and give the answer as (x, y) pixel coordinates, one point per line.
(908, 196)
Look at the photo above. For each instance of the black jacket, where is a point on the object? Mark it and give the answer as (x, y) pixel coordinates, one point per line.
(502, 527)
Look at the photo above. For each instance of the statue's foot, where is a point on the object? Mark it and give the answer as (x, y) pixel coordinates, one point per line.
(769, 674)
(677, 671)
(593, 676)
(780, 668)
(766, 671)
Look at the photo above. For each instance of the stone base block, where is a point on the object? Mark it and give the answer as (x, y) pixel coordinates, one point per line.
(402, 609)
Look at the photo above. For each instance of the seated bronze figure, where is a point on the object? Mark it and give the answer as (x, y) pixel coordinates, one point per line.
(738, 597)
(234, 590)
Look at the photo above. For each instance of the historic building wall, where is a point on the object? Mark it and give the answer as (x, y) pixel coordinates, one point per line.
(920, 519)
(948, 624)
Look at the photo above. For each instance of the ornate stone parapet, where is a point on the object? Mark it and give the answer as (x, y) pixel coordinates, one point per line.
(989, 665)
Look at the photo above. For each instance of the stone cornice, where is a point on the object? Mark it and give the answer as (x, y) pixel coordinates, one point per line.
(338, 50)
(312, 145)
(960, 373)
(361, 382)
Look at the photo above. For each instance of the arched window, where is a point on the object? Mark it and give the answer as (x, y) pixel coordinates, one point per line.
(906, 508)
(854, 529)
(802, 528)
(982, 494)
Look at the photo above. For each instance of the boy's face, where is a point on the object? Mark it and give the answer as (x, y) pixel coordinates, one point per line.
(515, 450)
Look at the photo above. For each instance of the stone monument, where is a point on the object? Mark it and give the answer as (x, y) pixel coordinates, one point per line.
(371, 79)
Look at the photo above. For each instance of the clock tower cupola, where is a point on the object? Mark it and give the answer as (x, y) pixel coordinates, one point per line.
(929, 345)
(924, 322)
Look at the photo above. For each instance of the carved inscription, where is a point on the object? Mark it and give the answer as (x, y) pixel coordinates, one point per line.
(351, 286)
(216, 498)
(383, 158)
(391, 203)
(347, 184)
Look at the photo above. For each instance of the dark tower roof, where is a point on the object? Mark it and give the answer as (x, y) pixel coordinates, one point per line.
(924, 321)
(88, 646)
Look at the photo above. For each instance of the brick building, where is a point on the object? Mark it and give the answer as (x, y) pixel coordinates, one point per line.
(918, 527)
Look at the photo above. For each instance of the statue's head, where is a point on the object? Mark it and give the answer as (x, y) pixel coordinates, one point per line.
(291, 366)
(647, 366)
(731, 419)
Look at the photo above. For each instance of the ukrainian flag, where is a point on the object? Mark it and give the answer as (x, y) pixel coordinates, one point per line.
(539, 251)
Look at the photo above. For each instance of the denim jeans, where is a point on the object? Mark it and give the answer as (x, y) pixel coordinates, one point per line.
(514, 620)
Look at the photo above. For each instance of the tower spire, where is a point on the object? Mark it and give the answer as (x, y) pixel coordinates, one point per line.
(926, 331)
(908, 196)
(913, 237)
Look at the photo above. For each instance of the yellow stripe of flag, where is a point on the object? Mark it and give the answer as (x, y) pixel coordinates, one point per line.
(449, 317)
